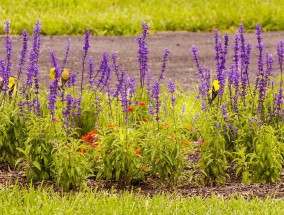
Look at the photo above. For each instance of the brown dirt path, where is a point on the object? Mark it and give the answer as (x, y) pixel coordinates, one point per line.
(180, 66)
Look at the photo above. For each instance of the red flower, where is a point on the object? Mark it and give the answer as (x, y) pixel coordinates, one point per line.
(142, 103)
(202, 143)
(55, 120)
(86, 137)
(91, 133)
(138, 152)
(131, 109)
(144, 169)
(83, 151)
(144, 120)
(95, 144)
(165, 125)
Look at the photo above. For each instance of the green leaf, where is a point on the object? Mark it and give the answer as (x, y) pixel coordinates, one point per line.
(37, 165)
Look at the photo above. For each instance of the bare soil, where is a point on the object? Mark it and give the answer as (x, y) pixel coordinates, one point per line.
(180, 67)
(9, 177)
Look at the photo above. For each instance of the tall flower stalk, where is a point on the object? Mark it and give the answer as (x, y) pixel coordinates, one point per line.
(143, 54)
(85, 52)
(22, 57)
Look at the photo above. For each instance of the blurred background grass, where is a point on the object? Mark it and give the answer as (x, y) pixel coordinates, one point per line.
(124, 17)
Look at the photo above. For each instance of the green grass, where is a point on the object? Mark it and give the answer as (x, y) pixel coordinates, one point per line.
(43, 201)
(124, 17)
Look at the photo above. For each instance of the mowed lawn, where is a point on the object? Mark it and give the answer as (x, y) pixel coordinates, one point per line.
(124, 17)
(46, 201)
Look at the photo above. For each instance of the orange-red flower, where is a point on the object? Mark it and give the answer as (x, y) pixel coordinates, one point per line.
(86, 137)
(202, 143)
(95, 144)
(91, 133)
(165, 125)
(142, 103)
(83, 151)
(144, 169)
(131, 109)
(144, 120)
(138, 152)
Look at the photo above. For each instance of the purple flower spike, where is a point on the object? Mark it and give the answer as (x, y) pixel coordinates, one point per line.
(67, 53)
(156, 96)
(280, 53)
(143, 54)
(278, 101)
(172, 89)
(91, 71)
(85, 52)
(260, 47)
(166, 55)
(8, 49)
(204, 75)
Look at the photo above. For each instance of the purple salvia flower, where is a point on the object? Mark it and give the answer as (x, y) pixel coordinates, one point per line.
(269, 67)
(66, 54)
(280, 53)
(32, 69)
(151, 109)
(245, 71)
(53, 87)
(236, 52)
(166, 55)
(278, 101)
(72, 80)
(224, 112)
(123, 91)
(23, 54)
(67, 111)
(105, 71)
(148, 78)
(77, 106)
(260, 47)
(220, 57)
(143, 54)
(171, 86)
(8, 49)
(91, 71)
(156, 96)
(221, 71)
(115, 66)
(131, 86)
(172, 89)
(204, 76)
(242, 49)
(85, 52)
